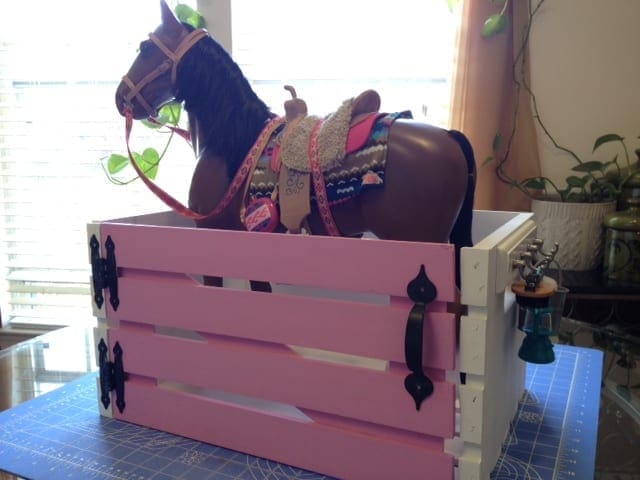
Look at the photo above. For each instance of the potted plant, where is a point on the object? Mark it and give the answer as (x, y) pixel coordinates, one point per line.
(570, 212)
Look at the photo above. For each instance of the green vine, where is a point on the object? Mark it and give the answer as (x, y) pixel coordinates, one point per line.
(169, 117)
(599, 180)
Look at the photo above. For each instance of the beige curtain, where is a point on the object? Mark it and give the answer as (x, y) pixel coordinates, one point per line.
(483, 101)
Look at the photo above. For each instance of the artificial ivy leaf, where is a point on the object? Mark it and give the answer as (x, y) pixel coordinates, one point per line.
(494, 25)
(153, 125)
(609, 137)
(188, 15)
(116, 163)
(148, 162)
(592, 166)
(170, 113)
(452, 4)
(535, 183)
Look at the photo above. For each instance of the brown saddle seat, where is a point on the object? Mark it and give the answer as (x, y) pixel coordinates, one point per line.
(294, 162)
(365, 103)
(331, 132)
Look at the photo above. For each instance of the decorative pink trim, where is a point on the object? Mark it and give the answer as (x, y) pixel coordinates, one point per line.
(319, 185)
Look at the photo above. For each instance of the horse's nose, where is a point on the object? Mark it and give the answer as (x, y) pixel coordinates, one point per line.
(121, 102)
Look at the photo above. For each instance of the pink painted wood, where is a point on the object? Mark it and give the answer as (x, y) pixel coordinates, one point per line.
(351, 421)
(333, 325)
(275, 373)
(374, 266)
(339, 452)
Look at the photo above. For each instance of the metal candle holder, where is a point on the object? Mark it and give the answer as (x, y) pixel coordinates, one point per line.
(540, 302)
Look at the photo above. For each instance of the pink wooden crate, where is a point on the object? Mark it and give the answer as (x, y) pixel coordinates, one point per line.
(311, 375)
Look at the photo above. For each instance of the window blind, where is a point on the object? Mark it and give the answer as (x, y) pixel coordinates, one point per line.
(58, 122)
(333, 50)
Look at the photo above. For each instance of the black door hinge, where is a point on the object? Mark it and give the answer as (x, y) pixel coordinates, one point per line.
(104, 272)
(421, 291)
(112, 375)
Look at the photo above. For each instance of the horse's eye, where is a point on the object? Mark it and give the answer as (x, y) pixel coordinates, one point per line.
(144, 47)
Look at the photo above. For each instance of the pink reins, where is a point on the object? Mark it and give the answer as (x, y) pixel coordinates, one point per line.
(241, 175)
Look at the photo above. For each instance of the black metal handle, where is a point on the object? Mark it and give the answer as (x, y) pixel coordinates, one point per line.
(421, 291)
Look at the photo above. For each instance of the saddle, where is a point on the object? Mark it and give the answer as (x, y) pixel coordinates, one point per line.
(310, 145)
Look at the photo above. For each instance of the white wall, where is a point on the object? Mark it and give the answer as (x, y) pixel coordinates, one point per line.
(585, 62)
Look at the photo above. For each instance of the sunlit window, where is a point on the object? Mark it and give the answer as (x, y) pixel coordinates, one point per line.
(334, 49)
(60, 63)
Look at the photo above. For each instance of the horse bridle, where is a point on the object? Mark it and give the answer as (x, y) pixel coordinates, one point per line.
(173, 58)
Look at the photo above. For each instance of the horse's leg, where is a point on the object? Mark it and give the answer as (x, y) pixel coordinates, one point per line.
(208, 185)
(210, 281)
(259, 286)
(256, 285)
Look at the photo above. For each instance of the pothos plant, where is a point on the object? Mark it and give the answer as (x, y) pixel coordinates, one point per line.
(590, 180)
(169, 115)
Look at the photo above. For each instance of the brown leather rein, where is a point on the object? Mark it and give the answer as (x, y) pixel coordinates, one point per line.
(172, 61)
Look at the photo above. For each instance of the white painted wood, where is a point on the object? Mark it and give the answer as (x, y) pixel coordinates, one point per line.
(489, 340)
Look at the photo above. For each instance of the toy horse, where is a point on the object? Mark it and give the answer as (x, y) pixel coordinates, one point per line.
(429, 173)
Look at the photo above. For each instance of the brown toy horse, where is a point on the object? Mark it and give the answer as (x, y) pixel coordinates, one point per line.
(430, 172)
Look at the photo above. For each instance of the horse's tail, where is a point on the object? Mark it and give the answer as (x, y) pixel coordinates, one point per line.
(461, 233)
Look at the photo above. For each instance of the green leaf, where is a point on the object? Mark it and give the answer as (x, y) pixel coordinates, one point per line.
(610, 137)
(535, 183)
(152, 125)
(170, 113)
(578, 182)
(116, 163)
(494, 25)
(188, 15)
(592, 166)
(497, 142)
(613, 161)
(148, 162)
(607, 189)
(452, 4)
(577, 197)
(488, 160)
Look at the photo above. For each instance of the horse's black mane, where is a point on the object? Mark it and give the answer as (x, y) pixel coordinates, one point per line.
(230, 115)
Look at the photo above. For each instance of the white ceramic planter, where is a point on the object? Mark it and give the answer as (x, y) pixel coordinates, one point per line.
(577, 227)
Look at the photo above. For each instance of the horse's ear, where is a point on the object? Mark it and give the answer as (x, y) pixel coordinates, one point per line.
(168, 18)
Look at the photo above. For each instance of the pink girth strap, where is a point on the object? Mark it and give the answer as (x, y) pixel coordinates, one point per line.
(319, 186)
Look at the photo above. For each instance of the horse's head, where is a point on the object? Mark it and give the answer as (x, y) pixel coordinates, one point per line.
(150, 82)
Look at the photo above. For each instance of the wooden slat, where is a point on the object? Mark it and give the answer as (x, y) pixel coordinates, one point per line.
(322, 448)
(366, 265)
(275, 373)
(369, 330)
